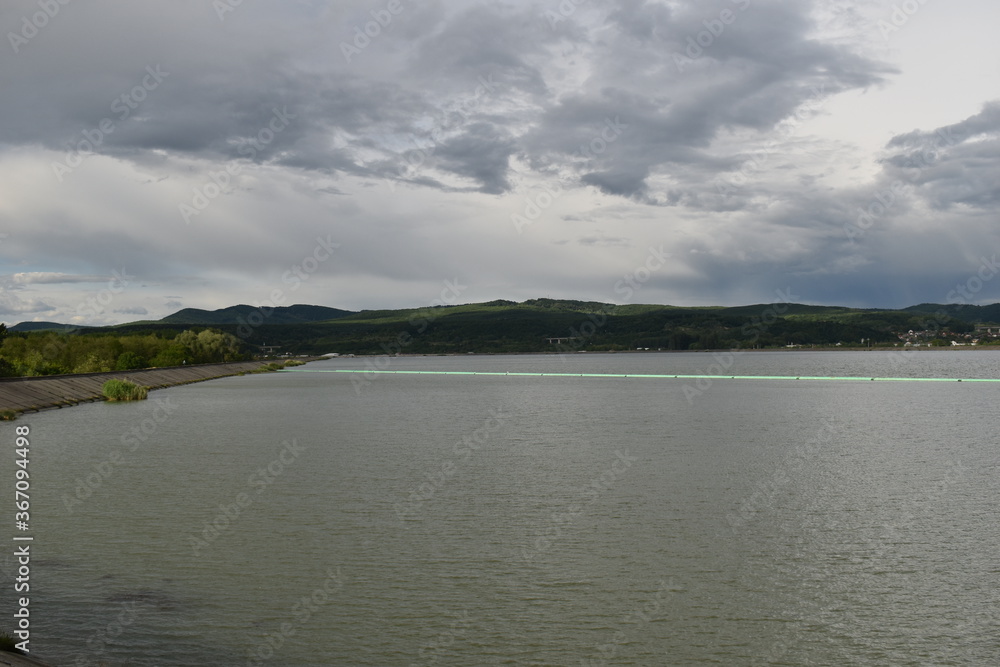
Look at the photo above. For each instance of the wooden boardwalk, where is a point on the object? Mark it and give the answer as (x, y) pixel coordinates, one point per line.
(57, 391)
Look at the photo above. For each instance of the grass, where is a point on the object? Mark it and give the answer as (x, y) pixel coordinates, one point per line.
(122, 390)
(8, 415)
(274, 366)
(8, 643)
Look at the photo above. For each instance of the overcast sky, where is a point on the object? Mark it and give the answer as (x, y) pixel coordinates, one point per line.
(395, 153)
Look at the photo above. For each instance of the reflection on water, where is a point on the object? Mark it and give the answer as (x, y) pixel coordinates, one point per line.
(526, 521)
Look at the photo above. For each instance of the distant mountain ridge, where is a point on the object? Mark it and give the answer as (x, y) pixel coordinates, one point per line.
(969, 313)
(233, 315)
(509, 320)
(42, 326)
(295, 314)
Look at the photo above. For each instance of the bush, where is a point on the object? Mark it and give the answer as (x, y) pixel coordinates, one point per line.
(122, 390)
(8, 643)
(92, 364)
(129, 361)
(175, 355)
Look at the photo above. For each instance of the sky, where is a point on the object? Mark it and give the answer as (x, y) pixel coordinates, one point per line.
(392, 153)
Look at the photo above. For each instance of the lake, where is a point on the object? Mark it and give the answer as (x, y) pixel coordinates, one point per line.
(320, 518)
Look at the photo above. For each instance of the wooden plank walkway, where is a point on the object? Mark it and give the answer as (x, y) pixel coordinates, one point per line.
(57, 391)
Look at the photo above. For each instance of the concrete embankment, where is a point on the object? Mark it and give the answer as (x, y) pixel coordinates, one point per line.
(59, 391)
(16, 660)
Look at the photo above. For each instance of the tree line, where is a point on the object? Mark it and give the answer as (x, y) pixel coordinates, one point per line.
(51, 353)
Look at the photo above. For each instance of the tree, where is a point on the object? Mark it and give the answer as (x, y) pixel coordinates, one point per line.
(128, 361)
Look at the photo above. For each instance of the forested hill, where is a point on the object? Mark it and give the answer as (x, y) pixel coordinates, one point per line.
(534, 326)
(296, 314)
(537, 325)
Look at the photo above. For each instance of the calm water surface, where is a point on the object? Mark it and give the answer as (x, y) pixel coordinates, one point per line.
(491, 520)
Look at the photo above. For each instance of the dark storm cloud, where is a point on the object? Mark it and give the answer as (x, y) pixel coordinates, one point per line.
(668, 120)
(482, 153)
(617, 182)
(217, 98)
(955, 165)
(677, 94)
(508, 43)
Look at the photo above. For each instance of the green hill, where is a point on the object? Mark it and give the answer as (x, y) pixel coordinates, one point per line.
(976, 314)
(42, 326)
(564, 325)
(296, 314)
(505, 326)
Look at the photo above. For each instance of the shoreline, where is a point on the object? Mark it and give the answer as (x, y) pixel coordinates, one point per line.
(994, 348)
(48, 392)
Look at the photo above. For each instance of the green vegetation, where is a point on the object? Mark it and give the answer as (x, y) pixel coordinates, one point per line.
(100, 350)
(8, 643)
(122, 390)
(275, 366)
(536, 325)
(8, 415)
(505, 326)
(251, 316)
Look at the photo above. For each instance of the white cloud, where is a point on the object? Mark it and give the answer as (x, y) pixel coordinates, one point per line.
(415, 155)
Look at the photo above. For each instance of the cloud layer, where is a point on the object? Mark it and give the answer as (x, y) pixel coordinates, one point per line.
(360, 154)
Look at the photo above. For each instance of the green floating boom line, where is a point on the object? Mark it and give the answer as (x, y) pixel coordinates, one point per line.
(643, 375)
